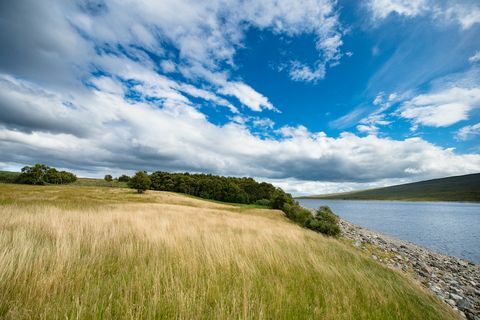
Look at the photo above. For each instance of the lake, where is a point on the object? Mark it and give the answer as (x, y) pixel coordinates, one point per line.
(451, 228)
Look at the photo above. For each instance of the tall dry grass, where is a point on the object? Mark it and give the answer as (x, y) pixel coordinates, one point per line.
(163, 256)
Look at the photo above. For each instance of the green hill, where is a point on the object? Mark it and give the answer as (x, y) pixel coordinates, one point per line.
(458, 188)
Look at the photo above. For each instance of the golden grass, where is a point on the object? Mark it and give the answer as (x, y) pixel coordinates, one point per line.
(101, 253)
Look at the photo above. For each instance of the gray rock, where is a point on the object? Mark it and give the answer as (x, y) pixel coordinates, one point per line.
(451, 302)
(453, 280)
(464, 304)
(455, 297)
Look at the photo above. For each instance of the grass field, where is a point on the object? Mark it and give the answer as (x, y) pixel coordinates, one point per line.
(73, 252)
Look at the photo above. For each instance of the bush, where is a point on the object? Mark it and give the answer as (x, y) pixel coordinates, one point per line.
(280, 199)
(108, 177)
(140, 181)
(324, 221)
(296, 213)
(123, 178)
(263, 202)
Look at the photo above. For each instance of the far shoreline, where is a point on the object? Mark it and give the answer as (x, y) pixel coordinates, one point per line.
(392, 200)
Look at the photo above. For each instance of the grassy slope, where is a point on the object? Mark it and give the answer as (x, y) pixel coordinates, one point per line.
(91, 252)
(459, 188)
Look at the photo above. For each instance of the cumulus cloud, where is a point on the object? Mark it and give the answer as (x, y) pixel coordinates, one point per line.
(79, 89)
(441, 109)
(208, 33)
(115, 133)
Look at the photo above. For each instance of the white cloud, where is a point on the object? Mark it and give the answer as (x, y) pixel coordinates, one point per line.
(168, 66)
(302, 187)
(466, 14)
(367, 129)
(475, 58)
(105, 131)
(441, 109)
(302, 72)
(468, 132)
(382, 8)
(208, 33)
(264, 123)
(65, 99)
(247, 96)
(371, 123)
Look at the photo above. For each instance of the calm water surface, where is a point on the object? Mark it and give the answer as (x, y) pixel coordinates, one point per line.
(446, 227)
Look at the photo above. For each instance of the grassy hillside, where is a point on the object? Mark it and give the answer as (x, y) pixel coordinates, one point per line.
(8, 176)
(11, 176)
(459, 188)
(110, 253)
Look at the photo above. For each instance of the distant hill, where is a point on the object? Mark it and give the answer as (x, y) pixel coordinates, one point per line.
(458, 188)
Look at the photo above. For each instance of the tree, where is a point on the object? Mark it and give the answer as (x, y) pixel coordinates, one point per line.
(123, 178)
(108, 177)
(40, 174)
(33, 175)
(140, 181)
(280, 198)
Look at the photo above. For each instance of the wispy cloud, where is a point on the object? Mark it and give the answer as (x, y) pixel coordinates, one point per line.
(468, 132)
(475, 58)
(464, 13)
(441, 109)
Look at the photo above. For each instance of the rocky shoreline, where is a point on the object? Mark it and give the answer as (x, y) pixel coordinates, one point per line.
(453, 280)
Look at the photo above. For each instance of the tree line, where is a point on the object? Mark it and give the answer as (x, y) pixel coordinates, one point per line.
(237, 190)
(207, 186)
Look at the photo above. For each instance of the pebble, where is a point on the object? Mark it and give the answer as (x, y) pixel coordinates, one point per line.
(453, 280)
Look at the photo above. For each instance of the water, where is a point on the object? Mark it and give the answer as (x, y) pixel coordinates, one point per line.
(451, 228)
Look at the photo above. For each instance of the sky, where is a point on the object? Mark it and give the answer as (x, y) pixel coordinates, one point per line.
(315, 96)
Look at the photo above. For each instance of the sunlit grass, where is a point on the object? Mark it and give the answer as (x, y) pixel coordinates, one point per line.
(92, 253)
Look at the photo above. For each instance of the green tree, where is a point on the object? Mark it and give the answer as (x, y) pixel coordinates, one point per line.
(280, 198)
(123, 178)
(324, 221)
(33, 175)
(108, 177)
(140, 181)
(40, 174)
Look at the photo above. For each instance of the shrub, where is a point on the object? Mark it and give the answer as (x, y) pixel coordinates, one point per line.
(108, 177)
(263, 202)
(123, 178)
(296, 213)
(280, 199)
(324, 221)
(140, 181)
(67, 177)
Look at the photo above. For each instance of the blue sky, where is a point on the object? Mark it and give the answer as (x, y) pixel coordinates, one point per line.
(315, 96)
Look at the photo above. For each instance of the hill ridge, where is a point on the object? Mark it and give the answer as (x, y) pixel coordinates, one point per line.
(455, 188)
